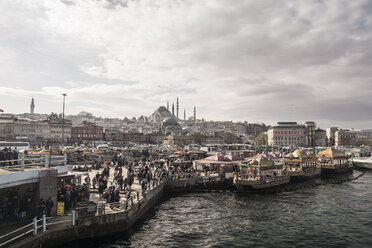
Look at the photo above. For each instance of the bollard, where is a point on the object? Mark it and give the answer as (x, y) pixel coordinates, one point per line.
(35, 226)
(137, 195)
(131, 199)
(73, 217)
(126, 205)
(44, 223)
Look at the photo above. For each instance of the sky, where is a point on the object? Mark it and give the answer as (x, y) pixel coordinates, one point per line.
(256, 61)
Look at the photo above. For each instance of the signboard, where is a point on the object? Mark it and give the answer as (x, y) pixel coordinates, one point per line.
(229, 175)
(60, 208)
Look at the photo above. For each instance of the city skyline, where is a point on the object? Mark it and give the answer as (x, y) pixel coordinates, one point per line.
(242, 61)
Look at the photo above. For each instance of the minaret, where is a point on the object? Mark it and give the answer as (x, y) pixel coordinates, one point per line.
(173, 109)
(32, 106)
(184, 114)
(194, 114)
(177, 107)
(168, 105)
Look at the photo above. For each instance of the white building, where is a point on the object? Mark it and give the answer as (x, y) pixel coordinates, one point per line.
(31, 130)
(288, 134)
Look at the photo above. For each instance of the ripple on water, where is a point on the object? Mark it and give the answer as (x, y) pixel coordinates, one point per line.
(325, 216)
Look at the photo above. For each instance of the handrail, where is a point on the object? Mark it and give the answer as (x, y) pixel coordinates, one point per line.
(35, 226)
(3, 236)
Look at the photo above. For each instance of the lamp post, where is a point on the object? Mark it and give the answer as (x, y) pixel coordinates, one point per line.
(63, 119)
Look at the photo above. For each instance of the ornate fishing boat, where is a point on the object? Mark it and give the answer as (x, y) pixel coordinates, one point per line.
(332, 160)
(261, 172)
(302, 165)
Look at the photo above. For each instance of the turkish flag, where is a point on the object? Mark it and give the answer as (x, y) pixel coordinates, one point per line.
(249, 170)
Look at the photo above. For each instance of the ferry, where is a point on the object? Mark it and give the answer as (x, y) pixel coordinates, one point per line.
(261, 172)
(302, 165)
(364, 163)
(332, 160)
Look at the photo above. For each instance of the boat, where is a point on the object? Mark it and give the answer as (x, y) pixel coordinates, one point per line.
(302, 165)
(261, 172)
(332, 160)
(364, 163)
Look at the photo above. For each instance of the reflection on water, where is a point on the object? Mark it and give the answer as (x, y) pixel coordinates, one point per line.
(334, 215)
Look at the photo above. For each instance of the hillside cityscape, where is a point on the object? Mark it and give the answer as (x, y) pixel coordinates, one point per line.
(169, 125)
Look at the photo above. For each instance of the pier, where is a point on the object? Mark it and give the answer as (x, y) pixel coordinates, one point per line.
(113, 218)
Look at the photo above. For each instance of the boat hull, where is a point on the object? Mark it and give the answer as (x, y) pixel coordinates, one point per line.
(243, 184)
(306, 175)
(337, 170)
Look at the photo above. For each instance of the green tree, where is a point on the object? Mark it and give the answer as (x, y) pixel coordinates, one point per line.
(261, 139)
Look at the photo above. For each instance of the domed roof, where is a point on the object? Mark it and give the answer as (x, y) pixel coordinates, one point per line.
(171, 121)
(162, 109)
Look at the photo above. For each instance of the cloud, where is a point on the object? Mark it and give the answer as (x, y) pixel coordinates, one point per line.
(260, 61)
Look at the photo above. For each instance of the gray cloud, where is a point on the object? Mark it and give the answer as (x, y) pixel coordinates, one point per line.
(261, 61)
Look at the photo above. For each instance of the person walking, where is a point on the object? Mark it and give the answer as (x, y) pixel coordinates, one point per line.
(120, 182)
(49, 205)
(41, 207)
(87, 181)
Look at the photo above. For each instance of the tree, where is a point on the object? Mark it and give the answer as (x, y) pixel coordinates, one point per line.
(261, 139)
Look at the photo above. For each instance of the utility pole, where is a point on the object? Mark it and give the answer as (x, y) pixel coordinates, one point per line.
(63, 119)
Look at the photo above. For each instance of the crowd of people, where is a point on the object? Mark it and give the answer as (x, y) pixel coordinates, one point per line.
(16, 206)
(72, 194)
(8, 154)
(127, 169)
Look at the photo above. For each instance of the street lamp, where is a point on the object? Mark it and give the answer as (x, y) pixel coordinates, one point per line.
(63, 118)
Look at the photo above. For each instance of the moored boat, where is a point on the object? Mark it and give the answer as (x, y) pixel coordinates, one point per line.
(332, 160)
(302, 165)
(261, 172)
(364, 163)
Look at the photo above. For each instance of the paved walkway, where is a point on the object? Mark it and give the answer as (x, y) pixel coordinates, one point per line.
(94, 195)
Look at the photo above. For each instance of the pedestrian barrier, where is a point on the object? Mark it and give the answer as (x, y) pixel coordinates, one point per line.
(27, 161)
(33, 228)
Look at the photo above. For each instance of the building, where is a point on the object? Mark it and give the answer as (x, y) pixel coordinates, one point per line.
(170, 126)
(59, 128)
(310, 133)
(6, 127)
(320, 137)
(353, 138)
(179, 140)
(87, 132)
(289, 134)
(31, 130)
(81, 118)
(331, 131)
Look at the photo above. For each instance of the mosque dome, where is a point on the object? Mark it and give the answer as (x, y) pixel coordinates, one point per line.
(171, 121)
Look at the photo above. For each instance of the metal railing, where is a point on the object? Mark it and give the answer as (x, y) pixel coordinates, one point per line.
(33, 228)
(103, 208)
(38, 160)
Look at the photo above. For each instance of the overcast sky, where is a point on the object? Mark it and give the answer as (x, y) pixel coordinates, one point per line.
(255, 61)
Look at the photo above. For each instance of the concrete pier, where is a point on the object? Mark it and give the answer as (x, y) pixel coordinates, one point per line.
(94, 226)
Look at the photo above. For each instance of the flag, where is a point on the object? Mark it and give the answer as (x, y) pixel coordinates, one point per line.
(1, 110)
(249, 170)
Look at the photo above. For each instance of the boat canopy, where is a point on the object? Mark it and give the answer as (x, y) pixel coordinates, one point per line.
(262, 162)
(331, 153)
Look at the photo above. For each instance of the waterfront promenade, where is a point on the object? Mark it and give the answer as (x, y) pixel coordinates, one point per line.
(109, 219)
(74, 226)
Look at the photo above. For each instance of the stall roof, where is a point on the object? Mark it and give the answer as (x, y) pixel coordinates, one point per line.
(331, 153)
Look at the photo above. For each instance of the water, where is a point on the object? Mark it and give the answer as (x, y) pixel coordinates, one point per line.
(335, 215)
